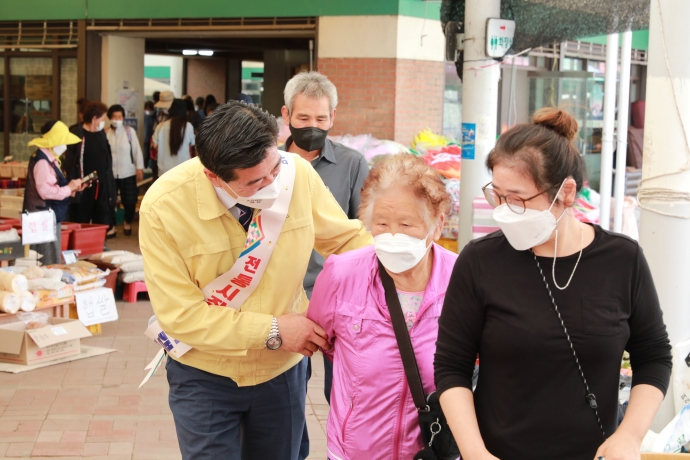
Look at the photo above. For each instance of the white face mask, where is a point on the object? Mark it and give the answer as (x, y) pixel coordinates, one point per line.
(147, 112)
(100, 126)
(263, 199)
(59, 149)
(117, 123)
(529, 229)
(399, 253)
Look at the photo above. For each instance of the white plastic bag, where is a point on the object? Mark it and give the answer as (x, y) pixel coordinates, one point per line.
(675, 435)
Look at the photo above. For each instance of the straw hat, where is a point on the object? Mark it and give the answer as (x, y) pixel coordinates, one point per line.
(165, 101)
(58, 135)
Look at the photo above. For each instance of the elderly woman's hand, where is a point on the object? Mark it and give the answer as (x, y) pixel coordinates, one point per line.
(76, 185)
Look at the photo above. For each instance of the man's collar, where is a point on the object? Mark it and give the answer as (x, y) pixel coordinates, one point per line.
(210, 206)
(327, 152)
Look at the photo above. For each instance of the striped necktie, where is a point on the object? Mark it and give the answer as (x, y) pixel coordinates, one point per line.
(246, 214)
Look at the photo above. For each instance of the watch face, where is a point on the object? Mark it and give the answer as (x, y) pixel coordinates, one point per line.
(274, 343)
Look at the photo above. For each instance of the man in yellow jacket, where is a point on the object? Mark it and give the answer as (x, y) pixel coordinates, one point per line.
(240, 391)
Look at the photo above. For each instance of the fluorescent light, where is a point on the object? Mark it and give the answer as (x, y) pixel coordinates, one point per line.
(189, 52)
(206, 52)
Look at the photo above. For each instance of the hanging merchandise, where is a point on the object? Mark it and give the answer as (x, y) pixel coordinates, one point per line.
(446, 160)
(426, 140)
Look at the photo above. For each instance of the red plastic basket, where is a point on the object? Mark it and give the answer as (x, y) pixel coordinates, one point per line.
(64, 239)
(88, 238)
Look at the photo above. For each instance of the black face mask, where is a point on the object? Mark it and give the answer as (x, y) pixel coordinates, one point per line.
(308, 139)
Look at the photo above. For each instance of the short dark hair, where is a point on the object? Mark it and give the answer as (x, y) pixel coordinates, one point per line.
(235, 136)
(94, 110)
(82, 102)
(116, 108)
(199, 101)
(211, 108)
(148, 105)
(156, 96)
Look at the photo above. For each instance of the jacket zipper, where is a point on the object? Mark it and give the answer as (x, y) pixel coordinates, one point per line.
(398, 429)
(347, 417)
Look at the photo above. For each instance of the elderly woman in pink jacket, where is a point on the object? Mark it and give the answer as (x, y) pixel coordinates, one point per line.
(372, 414)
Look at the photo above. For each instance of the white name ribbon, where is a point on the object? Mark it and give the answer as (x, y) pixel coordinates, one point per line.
(233, 288)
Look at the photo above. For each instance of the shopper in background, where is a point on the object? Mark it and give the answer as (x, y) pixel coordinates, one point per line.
(211, 108)
(165, 100)
(549, 317)
(240, 392)
(128, 163)
(46, 185)
(309, 111)
(174, 138)
(244, 98)
(372, 415)
(149, 120)
(192, 115)
(199, 104)
(95, 204)
(210, 100)
(81, 104)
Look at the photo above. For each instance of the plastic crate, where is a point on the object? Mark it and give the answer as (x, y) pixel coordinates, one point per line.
(88, 238)
(111, 279)
(64, 239)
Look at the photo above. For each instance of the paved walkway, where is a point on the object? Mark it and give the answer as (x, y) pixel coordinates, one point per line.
(92, 407)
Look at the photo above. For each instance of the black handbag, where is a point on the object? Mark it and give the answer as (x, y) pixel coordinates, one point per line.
(438, 439)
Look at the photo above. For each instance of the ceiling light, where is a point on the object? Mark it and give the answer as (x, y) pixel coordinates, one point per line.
(189, 52)
(206, 52)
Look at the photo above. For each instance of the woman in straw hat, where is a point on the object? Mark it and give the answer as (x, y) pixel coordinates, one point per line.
(46, 185)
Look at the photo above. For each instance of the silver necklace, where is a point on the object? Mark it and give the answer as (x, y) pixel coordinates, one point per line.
(555, 251)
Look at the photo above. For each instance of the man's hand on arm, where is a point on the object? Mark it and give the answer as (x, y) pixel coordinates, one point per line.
(301, 335)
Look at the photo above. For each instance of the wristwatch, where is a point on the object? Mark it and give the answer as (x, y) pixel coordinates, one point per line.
(273, 342)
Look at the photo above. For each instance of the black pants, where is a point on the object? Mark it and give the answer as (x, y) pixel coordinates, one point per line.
(94, 206)
(129, 194)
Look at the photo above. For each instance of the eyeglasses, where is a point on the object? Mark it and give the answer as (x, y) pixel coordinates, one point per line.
(515, 203)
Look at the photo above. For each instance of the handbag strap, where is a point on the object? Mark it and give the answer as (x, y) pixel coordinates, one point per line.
(589, 396)
(402, 336)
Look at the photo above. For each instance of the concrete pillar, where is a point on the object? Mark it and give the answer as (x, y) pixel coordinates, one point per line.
(665, 186)
(122, 64)
(479, 107)
(389, 74)
(607, 134)
(279, 67)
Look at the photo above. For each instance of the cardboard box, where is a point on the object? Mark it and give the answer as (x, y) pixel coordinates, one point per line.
(58, 340)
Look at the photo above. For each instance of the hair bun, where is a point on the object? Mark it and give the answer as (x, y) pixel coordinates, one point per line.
(557, 120)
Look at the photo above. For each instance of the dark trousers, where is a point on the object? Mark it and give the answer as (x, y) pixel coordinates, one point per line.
(216, 419)
(129, 194)
(328, 378)
(94, 206)
(147, 154)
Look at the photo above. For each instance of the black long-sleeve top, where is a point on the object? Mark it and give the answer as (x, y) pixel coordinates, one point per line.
(530, 399)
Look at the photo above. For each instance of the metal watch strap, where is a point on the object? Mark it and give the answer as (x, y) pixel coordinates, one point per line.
(274, 328)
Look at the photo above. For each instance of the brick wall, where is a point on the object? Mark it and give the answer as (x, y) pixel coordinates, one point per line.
(206, 76)
(388, 98)
(418, 98)
(366, 95)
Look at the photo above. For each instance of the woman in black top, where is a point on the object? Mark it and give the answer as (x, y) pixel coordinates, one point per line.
(530, 401)
(93, 154)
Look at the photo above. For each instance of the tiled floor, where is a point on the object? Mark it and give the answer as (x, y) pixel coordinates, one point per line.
(92, 408)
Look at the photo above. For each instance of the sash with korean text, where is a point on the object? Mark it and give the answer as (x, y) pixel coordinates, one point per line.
(232, 288)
